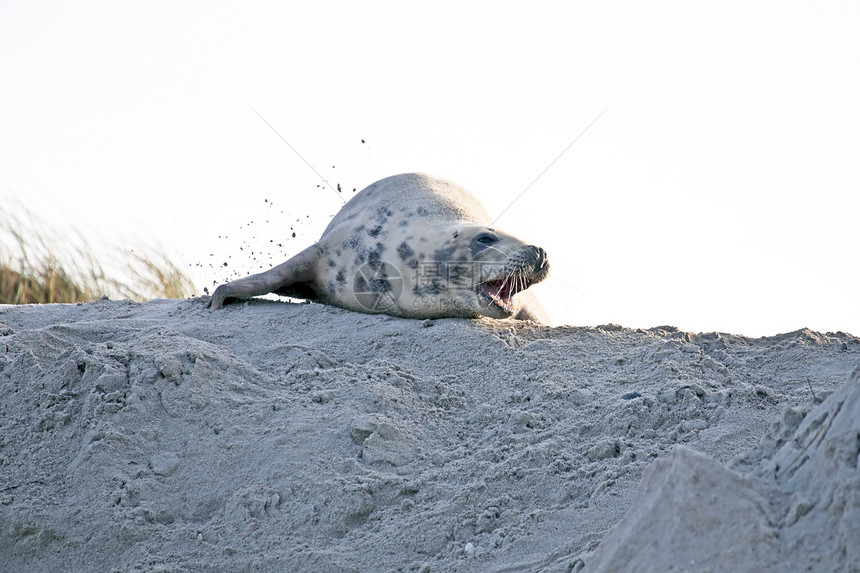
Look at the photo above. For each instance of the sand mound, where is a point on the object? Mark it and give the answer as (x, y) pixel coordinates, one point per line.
(290, 437)
(801, 512)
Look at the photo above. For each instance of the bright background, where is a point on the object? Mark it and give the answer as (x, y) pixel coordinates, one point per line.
(719, 191)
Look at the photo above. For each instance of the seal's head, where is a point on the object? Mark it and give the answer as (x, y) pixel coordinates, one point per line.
(523, 267)
(476, 271)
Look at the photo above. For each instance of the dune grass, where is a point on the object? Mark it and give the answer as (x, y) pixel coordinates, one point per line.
(38, 267)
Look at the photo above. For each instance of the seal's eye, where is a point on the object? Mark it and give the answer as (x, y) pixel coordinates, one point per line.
(482, 241)
(486, 239)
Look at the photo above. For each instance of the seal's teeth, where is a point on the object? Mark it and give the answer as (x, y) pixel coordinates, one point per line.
(500, 294)
(505, 288)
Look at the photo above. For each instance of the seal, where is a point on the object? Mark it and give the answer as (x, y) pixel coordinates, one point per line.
(409, 245)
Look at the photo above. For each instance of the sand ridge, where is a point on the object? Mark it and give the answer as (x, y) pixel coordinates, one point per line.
(273, 436)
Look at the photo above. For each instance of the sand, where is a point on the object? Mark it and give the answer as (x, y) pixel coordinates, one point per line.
(274, 436)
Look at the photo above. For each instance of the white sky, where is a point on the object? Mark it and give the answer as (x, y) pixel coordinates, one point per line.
(720, 191)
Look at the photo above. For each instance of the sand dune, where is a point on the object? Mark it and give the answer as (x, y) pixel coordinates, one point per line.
(296, 437)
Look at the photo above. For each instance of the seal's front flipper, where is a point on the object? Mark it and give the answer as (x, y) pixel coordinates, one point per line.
(296, 277)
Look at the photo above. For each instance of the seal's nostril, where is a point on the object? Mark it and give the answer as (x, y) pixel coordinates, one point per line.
(540, 257)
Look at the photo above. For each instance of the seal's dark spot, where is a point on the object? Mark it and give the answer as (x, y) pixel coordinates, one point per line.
(434, 286)
(378, 282)
(405, 251)
(341, 276)
(377, 286)
(374, 232)
(382, 214)
(423, 212)
(361, 284)
(404, 223)
(380, 285)
(630, 395)
(445, 253)
(331, 263)
(374, 256)
(353, 244)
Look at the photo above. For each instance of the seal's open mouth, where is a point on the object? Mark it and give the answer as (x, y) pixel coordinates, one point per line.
(523, 268)
(501, 293)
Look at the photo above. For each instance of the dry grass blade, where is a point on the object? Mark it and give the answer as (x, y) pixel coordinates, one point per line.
(156, 276)
(37, 267)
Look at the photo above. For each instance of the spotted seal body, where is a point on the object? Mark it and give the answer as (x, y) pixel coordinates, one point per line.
(410, 245)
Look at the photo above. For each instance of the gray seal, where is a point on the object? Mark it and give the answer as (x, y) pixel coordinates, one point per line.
(409, 245)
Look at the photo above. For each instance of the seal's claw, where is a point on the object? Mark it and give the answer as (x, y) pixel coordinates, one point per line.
(217, 299)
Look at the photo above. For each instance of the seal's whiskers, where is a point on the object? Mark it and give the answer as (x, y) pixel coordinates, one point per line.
(508, 254)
